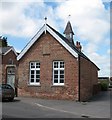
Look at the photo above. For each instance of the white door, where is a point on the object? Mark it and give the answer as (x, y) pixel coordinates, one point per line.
(11, 76)
(11, 80)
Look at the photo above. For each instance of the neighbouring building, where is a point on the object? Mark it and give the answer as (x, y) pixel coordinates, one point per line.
(53, 66)
(8, 64)
(103, 79)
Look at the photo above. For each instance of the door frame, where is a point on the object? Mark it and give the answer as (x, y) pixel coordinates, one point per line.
(15, 81)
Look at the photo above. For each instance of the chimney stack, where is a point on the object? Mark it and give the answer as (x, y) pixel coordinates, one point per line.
(78, 46)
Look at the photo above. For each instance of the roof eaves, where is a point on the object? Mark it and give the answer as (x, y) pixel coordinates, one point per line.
(72, 46)
(60, 38)
(11, 48)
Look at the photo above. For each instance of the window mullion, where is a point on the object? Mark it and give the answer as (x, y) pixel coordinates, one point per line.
(58, 76)
(30, 74)
(34, 75)
(58, 72)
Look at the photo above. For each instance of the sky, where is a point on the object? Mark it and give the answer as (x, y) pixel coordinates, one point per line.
(90, 20)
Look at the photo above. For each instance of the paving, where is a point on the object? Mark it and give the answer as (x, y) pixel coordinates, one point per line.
(96, 107)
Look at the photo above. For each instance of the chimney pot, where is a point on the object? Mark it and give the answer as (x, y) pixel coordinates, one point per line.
(76, 43)
(79, 47)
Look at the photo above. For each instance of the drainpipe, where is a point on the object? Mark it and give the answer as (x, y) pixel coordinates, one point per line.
(79, 77)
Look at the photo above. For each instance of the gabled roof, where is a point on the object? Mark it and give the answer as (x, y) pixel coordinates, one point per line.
(49, 29)
(59, 37)
(6, 50)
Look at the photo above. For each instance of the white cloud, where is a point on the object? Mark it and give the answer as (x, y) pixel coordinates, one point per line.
(22, 1)
(90, 21)
(89, 18)
(25, 18)
(103, 62)
(14, 20)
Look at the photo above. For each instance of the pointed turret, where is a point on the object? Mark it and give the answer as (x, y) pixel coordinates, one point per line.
(69, 32)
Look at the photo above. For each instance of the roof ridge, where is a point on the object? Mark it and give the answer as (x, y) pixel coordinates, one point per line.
(71, 45)
(71, 48)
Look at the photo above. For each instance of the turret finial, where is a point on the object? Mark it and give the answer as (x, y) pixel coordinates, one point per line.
(45, 20)
(69, 16)
(45, 24)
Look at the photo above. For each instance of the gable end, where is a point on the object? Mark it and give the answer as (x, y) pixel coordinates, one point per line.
(41, 31)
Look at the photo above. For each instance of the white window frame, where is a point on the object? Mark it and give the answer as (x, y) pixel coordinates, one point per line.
(58, 69)
(35, 69)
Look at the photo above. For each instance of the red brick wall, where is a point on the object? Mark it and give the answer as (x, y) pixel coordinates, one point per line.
(88, 78)
(5, 60)
(46, 89)
(9, 55)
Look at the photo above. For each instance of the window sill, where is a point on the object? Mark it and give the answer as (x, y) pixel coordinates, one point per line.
(34, 85)
(58, 86)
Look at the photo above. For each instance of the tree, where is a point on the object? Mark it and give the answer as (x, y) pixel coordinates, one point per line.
(3, 41)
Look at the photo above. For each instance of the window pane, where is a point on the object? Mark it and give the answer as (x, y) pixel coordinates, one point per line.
(11, 70)
(55, 80)
(56, 72)
(37, 65)
(32, 76)
(37, 80)
(38, 76)
(55, 76)
(55, 64)
(32, 80)
(62, 72)
(61, 64)
(61, 76)
(61, 80)
(32, 71)
(38, 72)
(32, 65)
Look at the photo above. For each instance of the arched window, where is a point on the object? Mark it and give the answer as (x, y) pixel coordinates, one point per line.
(10, 61)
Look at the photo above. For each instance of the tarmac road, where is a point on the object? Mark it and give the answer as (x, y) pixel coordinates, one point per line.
(20, 109)
(25, 107)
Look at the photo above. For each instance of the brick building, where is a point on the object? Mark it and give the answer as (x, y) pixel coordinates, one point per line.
(52, 66)
(8, 64)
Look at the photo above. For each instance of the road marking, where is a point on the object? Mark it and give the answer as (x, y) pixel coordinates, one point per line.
(55, 109)
(74, 113)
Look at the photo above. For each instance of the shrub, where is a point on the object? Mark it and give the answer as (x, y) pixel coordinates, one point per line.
(104, 85)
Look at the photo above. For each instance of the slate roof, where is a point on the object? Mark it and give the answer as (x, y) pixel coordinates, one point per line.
(5, 49)
(68, 29)
(72, 46)
(68, 45)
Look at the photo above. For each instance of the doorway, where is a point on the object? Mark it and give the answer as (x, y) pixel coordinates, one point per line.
(11, 76)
